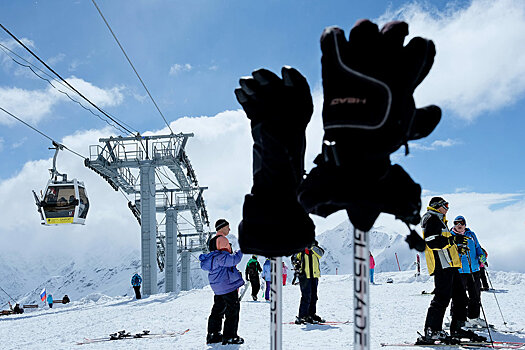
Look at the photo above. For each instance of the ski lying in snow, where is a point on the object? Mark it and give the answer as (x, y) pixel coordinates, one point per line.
(246, 285)
(122, 335)
(466, 345)
(320, 323)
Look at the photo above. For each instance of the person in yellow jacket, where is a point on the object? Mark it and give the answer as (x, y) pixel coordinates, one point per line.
(443, 263)
(308, 272)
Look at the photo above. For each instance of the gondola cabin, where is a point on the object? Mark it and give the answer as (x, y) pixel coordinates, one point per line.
(64, 202)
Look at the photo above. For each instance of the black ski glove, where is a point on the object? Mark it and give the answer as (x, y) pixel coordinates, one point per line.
(368, 113)
(368, 83)
(274, 223)
(459, 240)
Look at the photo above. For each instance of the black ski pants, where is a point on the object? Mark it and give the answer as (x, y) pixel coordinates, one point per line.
(472, 284)
(225, 305)
(483, 276)
(256, 286)
(308, 304)
(447, 286)
(137, 292)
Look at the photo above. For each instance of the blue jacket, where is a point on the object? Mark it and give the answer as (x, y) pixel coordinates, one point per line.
(474, 252)
(49, 299)
(136, 280)
(222, 273)
(267, 271)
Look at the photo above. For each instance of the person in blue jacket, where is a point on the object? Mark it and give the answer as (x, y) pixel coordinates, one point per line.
(267, 276)
(50, 300)
(136, 280)
(470, 271)
(225, 281)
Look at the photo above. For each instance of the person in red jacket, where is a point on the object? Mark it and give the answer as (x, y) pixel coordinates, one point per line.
(372, 266)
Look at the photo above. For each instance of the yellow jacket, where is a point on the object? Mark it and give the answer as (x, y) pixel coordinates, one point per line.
(439, 254)
(310, 261)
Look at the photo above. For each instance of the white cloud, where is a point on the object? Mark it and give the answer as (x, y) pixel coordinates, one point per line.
(177, 68)
(34, 105)
(435, 145)
(220, 153)
(480, 61)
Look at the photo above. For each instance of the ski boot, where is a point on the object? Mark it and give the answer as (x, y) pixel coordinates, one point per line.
(233, 340)
(305, 320)
(457, 331)
(318, 318)
(212, 338)
(432, 337)
(476, 323)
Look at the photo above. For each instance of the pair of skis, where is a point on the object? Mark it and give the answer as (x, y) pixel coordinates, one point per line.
(465, 345)
(123, 335)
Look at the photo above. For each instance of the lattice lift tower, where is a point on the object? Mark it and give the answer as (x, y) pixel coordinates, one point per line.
(131, 164)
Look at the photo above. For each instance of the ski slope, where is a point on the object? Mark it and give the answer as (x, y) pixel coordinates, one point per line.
(397, 309)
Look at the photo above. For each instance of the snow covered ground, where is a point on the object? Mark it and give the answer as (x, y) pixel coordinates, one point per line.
(398, 310)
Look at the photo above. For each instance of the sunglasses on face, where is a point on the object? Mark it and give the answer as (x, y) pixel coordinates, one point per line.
(445, 205)
(459, 223)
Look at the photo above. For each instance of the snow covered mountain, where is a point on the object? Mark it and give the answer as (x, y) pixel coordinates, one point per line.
(76, 277)
(385, 245)
(109, 273)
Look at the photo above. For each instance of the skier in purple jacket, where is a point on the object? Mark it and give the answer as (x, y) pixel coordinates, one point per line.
(225, 281)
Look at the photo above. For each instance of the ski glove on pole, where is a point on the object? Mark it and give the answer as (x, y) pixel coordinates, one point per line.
(368, 113)
(279, 110)
(459, 240)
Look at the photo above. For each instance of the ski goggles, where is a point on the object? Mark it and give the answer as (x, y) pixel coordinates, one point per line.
(459, 222)
(443, 204)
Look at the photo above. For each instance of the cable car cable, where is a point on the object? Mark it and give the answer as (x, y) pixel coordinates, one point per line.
(60, 77)
(41, 133)
(30, 66)
(131, 64)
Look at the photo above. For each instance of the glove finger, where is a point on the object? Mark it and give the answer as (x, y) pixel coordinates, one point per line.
(333, 44)
(419, 57)
(249, 85)
(364, 33)
(394, 33)
(425, 121)
(241, 96)
(265, 77)
(293, 78)
(364, 47)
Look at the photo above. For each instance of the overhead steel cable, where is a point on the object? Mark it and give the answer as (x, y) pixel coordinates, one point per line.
(131, 64)
(62, 79)
(41, 133)
(30, 66)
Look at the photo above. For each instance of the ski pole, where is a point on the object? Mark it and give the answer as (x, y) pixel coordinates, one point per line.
(276, 288)
(361, 291)
(8, 295)
(492, 287)
(480, 304)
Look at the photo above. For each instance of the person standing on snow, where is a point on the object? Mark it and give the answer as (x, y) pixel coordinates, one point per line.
(443, 263)
(136, 280)
(285, 273)
(308, 281)
(372, 267)
(225, 281)
(267, 276)
(50, 300)
(252, 274)
(483, 271)
(469, 272)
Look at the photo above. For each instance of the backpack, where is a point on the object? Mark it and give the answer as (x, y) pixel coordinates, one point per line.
(252, 270)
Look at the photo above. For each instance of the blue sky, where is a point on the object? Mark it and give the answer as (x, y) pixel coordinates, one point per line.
(192, 53)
